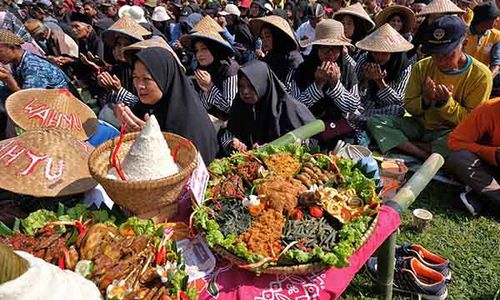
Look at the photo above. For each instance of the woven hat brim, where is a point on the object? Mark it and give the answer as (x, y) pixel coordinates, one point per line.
(381, 46)
(410, 19)
(187, 41)
(49, 111)
(446, 7)
(367, 22)
(329, 42)
(129, 51)
(256, 27)
(109, 36)
(50, 177)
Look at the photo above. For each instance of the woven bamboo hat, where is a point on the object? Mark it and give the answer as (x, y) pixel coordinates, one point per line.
(40, 108)
(330, 33)
(188, 40)
(45, 163)
(409, 17)
(275, 21)
(207, 24)
(385, 39)
(8, 38)
(440, 7)
(356, 10)
(125, 26)
(129, 51)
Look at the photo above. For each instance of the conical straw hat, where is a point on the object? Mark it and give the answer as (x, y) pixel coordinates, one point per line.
(126, 26)
(330, 33)
(129, 51)
(275, 21)
(188, 40)
(409, 22)
(207, 24)
(149, 157)
(356, 10)
(440, 7)
(40, 108)
(11, 265)
(385, 39)
(45, 163)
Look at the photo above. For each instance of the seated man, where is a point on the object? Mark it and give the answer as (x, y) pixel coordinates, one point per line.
(443, 89)
(476, 160)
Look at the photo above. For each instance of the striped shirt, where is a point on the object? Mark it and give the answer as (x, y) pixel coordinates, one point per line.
(386, 101)
(346, 100)
(125, 97)
(221, 100)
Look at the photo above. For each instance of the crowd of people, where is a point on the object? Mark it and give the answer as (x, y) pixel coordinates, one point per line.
(409, 76)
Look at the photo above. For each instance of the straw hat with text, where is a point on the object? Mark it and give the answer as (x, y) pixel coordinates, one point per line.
(41, 108)
(385, 39)
(408, 14)
(45, 163)
(440, 7)
(125, 26)
(356, 10)
(275, 21)
(330, 33)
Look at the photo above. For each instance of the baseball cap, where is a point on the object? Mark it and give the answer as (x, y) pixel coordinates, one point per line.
(230, 9)
(484, 12)
(444, 35)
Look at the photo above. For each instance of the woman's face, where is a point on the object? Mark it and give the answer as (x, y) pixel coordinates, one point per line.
(349, 26)
(267, 39)
(396, 22)
(381, 58)
(203, 54)
(247, 92)
(329, 53)
(149, 92)
(254, 10)
(121, 42)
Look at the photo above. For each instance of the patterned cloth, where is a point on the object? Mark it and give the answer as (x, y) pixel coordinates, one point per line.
(36, 72)
(13, 24)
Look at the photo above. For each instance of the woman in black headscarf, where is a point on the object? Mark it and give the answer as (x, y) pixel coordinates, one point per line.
(216, 73)
(278, 44)
(326, 82)
(166, 92)
(291, 15)
(262, 111)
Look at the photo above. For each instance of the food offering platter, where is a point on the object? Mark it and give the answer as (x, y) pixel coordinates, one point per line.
(287, 210)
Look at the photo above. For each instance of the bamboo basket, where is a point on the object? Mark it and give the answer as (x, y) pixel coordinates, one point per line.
(146, 199)
(294, 269)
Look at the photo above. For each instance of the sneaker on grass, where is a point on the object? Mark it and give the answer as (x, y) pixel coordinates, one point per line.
(471, 201)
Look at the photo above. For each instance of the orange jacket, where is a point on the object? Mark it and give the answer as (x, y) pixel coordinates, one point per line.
(479, 132)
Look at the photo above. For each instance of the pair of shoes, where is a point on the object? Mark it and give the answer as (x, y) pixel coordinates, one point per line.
(427, 258)
(412, 276)
(471, 201)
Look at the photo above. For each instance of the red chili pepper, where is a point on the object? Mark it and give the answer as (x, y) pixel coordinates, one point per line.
(176, 149)
(160, 256)
(114, 159)
(81, 229)
(315, 211)
(183, 295)
(296, 214)
(60, 262)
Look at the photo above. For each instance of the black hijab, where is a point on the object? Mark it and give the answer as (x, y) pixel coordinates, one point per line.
(304, 76)
(275, 113)
(180, 110)
(284, 56)
(223, 66)
(394, 68)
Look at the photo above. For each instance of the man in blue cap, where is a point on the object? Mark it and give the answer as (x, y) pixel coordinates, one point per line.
(441, 92)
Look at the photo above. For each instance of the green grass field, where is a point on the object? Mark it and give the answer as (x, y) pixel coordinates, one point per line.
(471, 244)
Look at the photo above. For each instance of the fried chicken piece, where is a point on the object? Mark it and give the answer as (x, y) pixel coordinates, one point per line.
(264, 235)
(281, 194)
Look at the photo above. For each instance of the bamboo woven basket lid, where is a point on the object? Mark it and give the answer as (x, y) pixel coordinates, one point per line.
(41, 108)
(45, 163)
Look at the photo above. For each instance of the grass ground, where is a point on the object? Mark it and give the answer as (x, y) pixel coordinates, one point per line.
(471, 244)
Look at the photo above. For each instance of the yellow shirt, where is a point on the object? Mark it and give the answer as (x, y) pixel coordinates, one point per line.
(479, 46)
(467, 16)
(471, 87)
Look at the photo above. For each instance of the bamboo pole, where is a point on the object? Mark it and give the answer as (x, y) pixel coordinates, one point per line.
(300, 134)
(385, 266)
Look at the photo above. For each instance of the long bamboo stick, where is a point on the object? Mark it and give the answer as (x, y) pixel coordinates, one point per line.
(300, 134)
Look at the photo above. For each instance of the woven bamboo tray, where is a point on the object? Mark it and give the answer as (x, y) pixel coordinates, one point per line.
(295, 269)
(146, 199)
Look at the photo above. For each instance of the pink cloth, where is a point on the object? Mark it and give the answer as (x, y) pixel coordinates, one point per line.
(233, 283)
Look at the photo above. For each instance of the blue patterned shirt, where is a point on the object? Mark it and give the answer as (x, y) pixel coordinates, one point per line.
(36, 72)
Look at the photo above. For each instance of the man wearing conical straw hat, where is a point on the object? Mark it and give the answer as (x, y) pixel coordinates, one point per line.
(442, 91)
(383, 72)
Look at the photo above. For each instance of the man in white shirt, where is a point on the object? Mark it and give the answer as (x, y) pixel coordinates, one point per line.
(305, 32)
